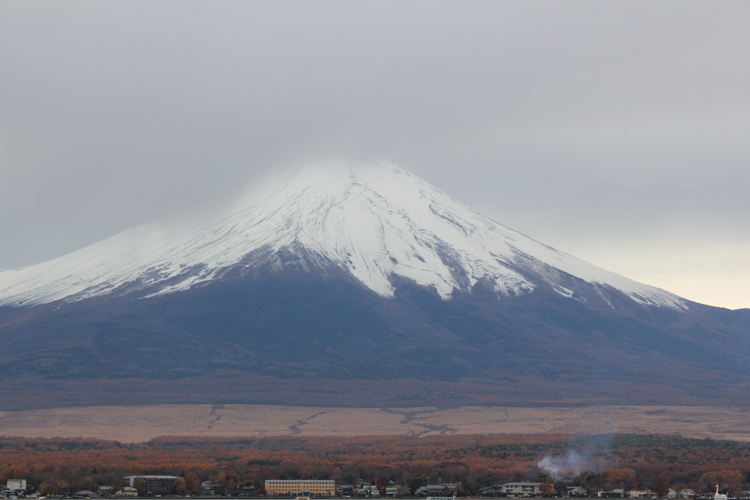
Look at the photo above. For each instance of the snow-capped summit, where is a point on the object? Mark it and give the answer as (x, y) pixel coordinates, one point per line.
(370, 218)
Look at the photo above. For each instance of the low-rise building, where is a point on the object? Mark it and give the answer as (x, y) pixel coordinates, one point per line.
(430, 490)
(391, 491)
(577, 491)
(127, 491)
(155, 485)
(684, 493)
(641, 493)
(368, 489)
(106, 491)
(245, 489)
(16, 484)
(491, 491)
(618, 493)
(305, 487)
(345, 490)
(522, 489)
(212, 489)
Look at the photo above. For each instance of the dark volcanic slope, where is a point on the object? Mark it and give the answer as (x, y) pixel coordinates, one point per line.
(298, 328)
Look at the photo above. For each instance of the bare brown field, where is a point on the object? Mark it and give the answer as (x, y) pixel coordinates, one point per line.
(140, 423)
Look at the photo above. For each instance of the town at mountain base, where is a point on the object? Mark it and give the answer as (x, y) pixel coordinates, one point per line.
(549, 465)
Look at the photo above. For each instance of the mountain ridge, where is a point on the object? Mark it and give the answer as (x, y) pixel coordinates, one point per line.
(371, 218)
(326, 284)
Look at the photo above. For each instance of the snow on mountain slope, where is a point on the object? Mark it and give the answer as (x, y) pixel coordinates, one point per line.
(369, 217)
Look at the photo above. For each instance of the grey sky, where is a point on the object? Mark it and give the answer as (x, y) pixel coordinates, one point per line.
(616, 131)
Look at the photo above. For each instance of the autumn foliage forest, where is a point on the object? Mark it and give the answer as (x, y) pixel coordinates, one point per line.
(61, 465)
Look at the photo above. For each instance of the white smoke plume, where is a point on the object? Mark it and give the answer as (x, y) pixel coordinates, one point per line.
(570, 465)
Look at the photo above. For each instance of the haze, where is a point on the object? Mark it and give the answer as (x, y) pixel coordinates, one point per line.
(617, 131)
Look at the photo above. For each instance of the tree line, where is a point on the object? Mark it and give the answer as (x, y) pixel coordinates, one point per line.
(604, 462)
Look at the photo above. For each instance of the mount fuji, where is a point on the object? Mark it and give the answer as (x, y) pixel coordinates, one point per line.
(351, 272)
(370, 219)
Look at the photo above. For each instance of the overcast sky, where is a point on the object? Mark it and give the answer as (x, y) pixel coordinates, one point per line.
(615, 131)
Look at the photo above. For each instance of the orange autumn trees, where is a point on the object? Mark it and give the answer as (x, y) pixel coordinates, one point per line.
(620, 479)
(609, 461)
(730, 480)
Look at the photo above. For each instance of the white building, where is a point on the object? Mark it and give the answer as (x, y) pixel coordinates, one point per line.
(521, 489)
(127, 491)
(684, 493)
(16, 484)
(641, 493)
